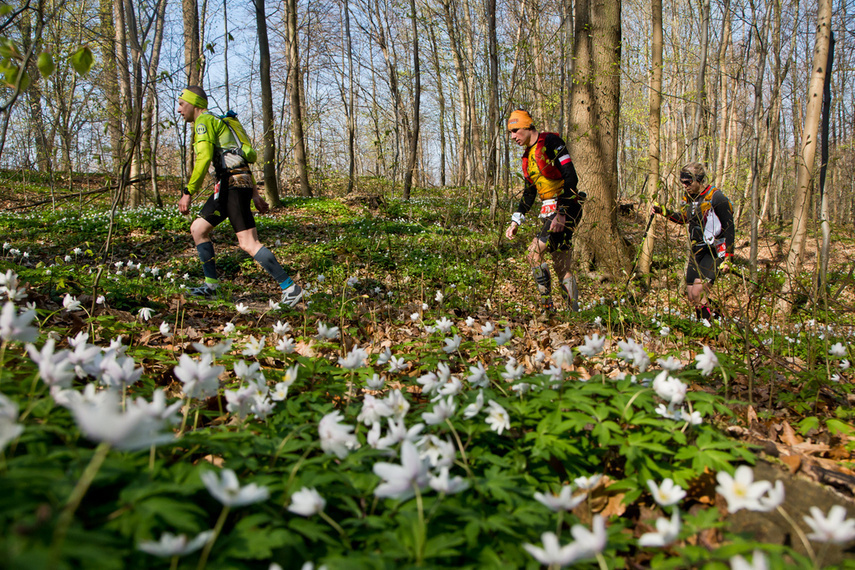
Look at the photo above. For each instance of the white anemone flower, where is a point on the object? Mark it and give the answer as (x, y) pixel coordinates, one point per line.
(285, 345)
(373, 410)
(667, 531)
(758, 562)
(241, 308)
(667, 493)
(588, 483)
(9, 428)
(837, 350)
(593, 345)
(504, 337)
(478, 376)
(740, 490)
(376, 382)
(397, 364)
(670, 364)
(226, 489)
(70, 303)
(563, 356)
(336, 438)
(15, 327)
(497, 417)
(474, 408)
(444, 325)
(399, 480)
(452, 344)
(587, 544)
(325, 332)
(200, 377)
(281, 329)
(633, 352)
(253, 346)
(170, 545)
(447, 485)
(442, 410)
(354, 359)
(384, 357)
(835, 528)
(101, 419)
(563, 501)
(398, 403)
(512, 371)
(307, 502)
(707, 361)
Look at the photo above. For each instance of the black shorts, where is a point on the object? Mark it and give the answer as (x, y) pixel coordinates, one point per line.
(237, 205)
(563, 240)
(702, 265)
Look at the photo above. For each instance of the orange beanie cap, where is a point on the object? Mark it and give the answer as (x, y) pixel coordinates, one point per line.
(520, 119)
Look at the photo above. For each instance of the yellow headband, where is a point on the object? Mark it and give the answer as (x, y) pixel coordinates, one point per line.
(194, 99)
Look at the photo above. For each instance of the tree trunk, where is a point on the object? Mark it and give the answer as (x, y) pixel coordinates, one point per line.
(271, 181)
(417, 94)
(351, 104)
(463, 141)
(192, 47)
(108, 81)
(596, 99)
(495, 121)
(653, 125)
(441, 99)
(807, 155)
(700, 83)
(149, 131)
(295, 87)
(754, 205)
(824, 223)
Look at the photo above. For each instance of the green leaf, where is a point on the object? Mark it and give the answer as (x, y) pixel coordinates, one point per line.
(837, 427)
(45, 64)
(82, 60)
(808, 424)
(5, 9)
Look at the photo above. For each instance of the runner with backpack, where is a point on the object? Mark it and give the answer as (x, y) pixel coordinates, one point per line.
(221, 145)
(550, 175)
(712, 233)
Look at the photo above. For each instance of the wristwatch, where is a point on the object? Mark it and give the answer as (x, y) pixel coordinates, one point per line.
(185, 191)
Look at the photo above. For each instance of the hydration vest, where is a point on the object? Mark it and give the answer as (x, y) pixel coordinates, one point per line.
(239, 133)
(544, 164)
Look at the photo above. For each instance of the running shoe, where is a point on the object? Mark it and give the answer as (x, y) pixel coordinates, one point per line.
(292, 295)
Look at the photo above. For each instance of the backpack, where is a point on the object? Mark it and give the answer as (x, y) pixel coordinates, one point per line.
(239, 133)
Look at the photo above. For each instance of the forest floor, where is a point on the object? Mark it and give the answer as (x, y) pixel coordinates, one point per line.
(370, 262)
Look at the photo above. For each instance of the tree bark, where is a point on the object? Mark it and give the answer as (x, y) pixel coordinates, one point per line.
(653, 126)
(295, 87)
(824, 223)
(417, 94)
(351, 103)
(807, 156)
(192, 43)
(700, 83)
(441, 101)
(271, 181)
(596, 109)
